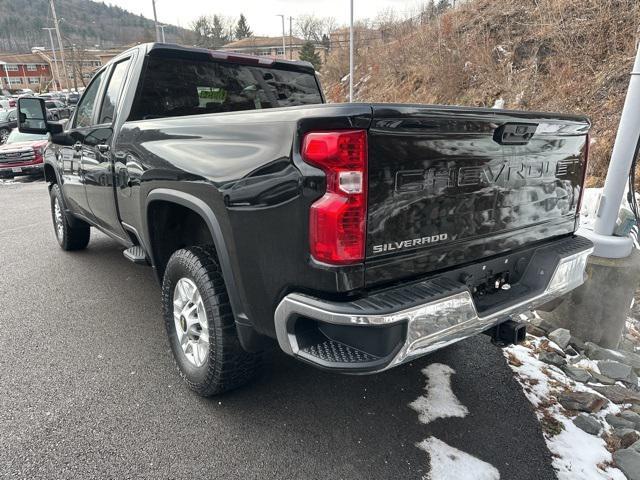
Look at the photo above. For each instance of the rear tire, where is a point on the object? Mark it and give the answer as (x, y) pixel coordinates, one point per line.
(196, 305)
(70, 236)
(4, 134)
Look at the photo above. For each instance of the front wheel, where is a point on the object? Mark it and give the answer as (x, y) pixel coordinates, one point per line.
(200, 324)
(71, 235)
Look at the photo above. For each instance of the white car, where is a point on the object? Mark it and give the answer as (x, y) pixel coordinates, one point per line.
(4, 102)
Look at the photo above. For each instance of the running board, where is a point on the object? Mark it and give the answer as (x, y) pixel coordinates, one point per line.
(136, 254)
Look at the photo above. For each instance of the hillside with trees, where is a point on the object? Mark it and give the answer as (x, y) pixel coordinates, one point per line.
(83, 22)
(549, 55)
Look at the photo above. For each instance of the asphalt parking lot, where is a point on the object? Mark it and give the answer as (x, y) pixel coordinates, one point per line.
(88, 388)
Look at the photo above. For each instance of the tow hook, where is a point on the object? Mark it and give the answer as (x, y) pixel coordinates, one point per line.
(508, 332)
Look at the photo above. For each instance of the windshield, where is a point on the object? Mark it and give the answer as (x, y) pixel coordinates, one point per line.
(16, 137)
(50, 104)
(176, 87)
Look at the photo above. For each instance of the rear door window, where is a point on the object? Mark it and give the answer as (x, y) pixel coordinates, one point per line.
(112, 94)
(177, 87)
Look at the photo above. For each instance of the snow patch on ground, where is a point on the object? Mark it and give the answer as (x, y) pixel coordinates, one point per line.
(450, 463)
(439, 401)
(577, 454)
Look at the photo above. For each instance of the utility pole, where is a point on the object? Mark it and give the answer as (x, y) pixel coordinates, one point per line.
(57, 27)
(284, 42)
(290, 38)
(351, 53)
(162, 27)
(155, 19)
(55, 60)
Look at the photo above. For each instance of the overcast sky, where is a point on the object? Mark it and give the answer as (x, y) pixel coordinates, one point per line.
(261, 13)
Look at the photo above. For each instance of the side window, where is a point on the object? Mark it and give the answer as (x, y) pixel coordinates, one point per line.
(86, 106)
(110, 101)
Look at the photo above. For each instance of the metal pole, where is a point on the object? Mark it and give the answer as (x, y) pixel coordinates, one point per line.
(155, 19)
(76, 68)
(607, 245)
(55, 60)
(284, 42)
(57, 27)
(351, 54)
(624, 149)
(6, 74)
(162, 30)
(290, 38)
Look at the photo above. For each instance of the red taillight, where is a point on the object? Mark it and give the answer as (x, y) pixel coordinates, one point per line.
(337, 222)
(12, 103)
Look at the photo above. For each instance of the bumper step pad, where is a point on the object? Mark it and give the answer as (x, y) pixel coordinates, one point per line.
(335, 352)
(136, 254)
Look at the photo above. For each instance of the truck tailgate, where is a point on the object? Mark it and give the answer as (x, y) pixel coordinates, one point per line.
(449, 186)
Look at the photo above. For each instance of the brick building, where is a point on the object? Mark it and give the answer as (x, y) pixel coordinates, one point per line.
(24, 71)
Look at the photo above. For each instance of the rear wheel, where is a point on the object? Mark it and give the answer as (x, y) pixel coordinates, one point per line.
(200, 324)
(71, 235)
(4, 134)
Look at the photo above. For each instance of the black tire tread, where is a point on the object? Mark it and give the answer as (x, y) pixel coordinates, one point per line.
(229, 365)
(76, 237)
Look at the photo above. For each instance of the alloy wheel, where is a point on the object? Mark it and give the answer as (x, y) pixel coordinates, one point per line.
(58, 220)
(190, 321)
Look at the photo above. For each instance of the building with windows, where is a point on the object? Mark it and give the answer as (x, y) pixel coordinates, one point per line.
(37, 70)
(266, 47)
(24, 71)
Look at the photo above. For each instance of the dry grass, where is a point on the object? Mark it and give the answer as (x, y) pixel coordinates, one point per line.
(551, 55)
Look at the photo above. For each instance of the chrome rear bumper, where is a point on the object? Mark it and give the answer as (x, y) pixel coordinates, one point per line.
(433, 313)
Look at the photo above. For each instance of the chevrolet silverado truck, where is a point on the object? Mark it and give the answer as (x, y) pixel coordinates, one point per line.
(356, 236)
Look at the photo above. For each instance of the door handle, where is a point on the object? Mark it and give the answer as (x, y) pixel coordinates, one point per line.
(77, 146)
(102, 148)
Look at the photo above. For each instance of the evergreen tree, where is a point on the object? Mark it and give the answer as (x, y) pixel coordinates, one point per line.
(219, 34)
(308, 54)
(242, 28)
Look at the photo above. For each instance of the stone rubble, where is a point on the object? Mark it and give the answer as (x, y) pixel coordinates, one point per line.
(612, 376)
(561, 337)
(588, 423)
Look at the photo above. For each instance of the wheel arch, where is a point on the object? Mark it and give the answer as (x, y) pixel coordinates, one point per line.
(201, 209)
(50, 174)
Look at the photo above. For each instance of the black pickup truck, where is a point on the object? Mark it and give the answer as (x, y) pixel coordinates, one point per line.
(357, 236)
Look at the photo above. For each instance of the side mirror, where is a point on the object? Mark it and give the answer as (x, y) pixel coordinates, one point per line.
(32, 116)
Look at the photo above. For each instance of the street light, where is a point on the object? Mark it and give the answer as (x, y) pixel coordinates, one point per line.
(284, 43)
(155, 19)
(162, 27)
(351, 54)
(6, 74)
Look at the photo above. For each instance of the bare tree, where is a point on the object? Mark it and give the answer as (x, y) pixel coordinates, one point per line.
(313, 28)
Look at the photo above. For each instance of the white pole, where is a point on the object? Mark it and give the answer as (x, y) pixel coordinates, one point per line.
(55, 61)
(6, 74)
(351, 54)
(155, 20)
(162, 30)
(624, 149)
(284, 43)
